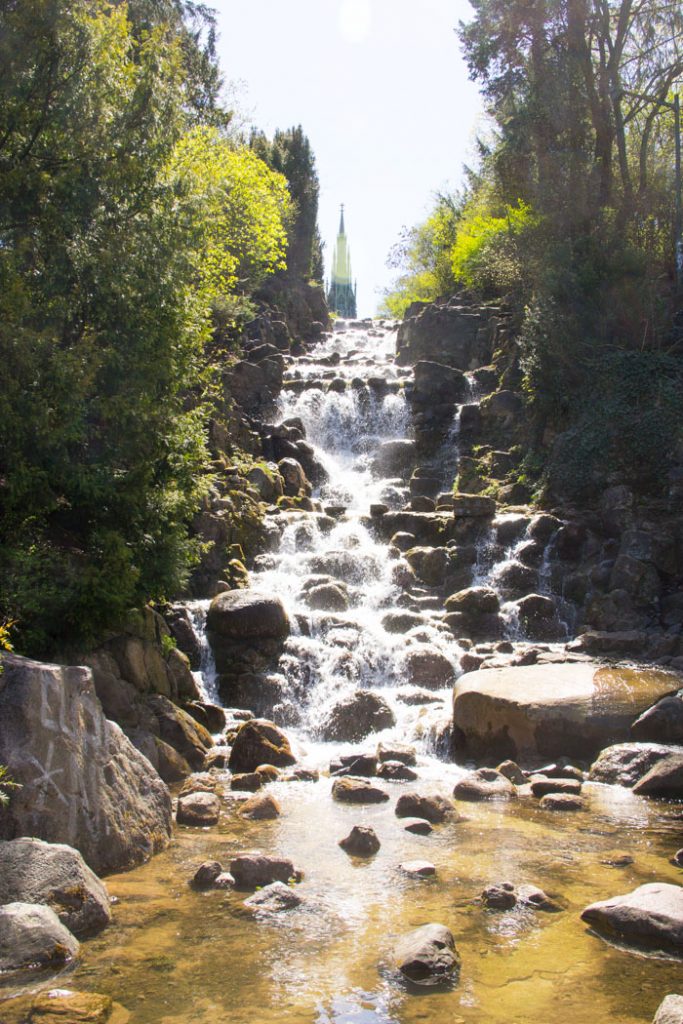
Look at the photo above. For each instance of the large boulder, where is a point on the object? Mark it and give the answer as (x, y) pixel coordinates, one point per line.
(32, 871)
(394, 458)
(449, 334)
(246, 615)
(662, 723)
(664, 779)
(427, 955)
(425, 665)
(357, 716)
(550, 711)
(650, 917)
(83, 783)
(33, 936)
(260, 742)
(181, 731)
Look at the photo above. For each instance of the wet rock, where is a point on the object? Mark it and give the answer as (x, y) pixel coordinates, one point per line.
(260, 742)
(416, 698)
(664, 779)
(562, 802)
(670, 1011)
(397, 752)
(677, 858)
(403, 541)
(401, 622)
(206, 874)
(211, 716)
(198, 809)
(549, 710)
(650, 917)
(418, 826)
(180, 731)
(394, 458)
(358, 716)
(361, 841)
(247, 782)
(354, 764)
(538, 617)
(662, 723)
(31, 936)
(430, 564)
(63, 1006)
(500, 896)
(274, 899)
(618, 860)
(351, 790)
(217, 757)
(301, 775)
(473, 601)
(425, 665)
(83, 782)
(515, 580)
(543, 526)
(328, 597)
(512, 771)
(261, 808)
(32, 871)
(247, 615)
(484, 784)
(254, 870)
(542, 786)
(434, 809)
(294, 478)
(474, 506)
(625, 763)
(427, 956)
(201, 782)
(396, 771)
(420, 503)
(537, 899)
(268, 773)
(417, 869)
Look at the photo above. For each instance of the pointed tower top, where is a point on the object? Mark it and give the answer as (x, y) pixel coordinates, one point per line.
(341, 221)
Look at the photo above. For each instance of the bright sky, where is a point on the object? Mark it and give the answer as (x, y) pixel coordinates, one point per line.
(381, 90)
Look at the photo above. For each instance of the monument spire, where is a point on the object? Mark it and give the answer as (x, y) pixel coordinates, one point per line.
(341, 297)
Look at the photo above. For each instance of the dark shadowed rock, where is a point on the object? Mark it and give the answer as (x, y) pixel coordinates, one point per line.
(83, 782)
(396, 771)
(424, 665)
(427, 955)
(350, 790)
(181, 731)
(432, 808)
(260, 742)
(662, 723)
(500, 896)
(361, 841)
(484, 784)
(31, 935)
(665, 779)
(650, 917)
(253, 870)
(206, 874)
(32, 871)
(357, 716)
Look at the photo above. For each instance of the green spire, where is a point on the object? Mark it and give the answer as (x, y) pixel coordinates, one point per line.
(342, 294)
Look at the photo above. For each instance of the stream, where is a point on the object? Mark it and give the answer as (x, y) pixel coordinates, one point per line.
(177, 956)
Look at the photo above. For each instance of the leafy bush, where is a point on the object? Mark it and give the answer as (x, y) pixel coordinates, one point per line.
(490, 254)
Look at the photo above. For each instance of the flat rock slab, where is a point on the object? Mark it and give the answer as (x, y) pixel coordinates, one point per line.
(551, 711)
(274, 898)
(650, 917)
(417, 868)
(32, 936)
(542, 786)
(32, 871)
(562, 802)
(427, 956)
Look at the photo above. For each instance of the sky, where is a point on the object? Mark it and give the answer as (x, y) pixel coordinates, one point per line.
(380, 88)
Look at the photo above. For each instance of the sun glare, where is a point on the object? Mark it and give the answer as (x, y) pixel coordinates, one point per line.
(355, 18)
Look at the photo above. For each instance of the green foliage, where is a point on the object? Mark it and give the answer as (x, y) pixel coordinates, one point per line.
(627, 427)
(7, 784)
(490, 252)
(126, 220)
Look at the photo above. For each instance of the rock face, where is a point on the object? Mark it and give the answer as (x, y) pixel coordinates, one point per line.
(33, 936)
(550, 710)
(427, 955)
(650, 917)
(83, 782)
(260, 742)
(32, 871)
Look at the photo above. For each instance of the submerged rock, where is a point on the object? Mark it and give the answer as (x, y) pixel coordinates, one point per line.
(427, 956)
(650, 917)
(500, 896)
(32, 871)
(550, 710)
(31, 936)
(274, 898)
(418, 868)
(361, 841)
(418, 826)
